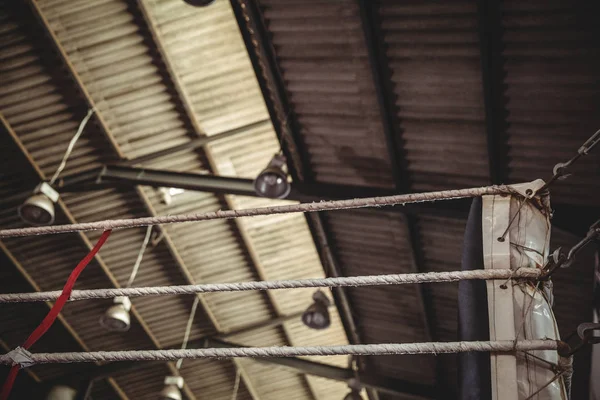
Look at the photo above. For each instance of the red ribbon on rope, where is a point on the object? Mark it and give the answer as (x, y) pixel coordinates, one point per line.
(53, 313)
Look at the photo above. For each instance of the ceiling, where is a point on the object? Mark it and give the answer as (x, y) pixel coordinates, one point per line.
(367, 98)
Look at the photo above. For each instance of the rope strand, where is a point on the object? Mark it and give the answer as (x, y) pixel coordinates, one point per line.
(372, 280)
(253, 212)
(261, 352)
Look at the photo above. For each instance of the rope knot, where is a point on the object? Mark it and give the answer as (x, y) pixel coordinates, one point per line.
(20, 357)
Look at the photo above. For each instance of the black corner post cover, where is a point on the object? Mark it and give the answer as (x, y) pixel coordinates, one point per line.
(474, 371)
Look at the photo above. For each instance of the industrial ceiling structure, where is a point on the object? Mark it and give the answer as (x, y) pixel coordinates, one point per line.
(363, 97)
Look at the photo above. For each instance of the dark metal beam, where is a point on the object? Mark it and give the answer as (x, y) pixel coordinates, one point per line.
(195, 143)
(573, 219)
(394, 386)
(266, 69)
(97, 372)
(384, 87)
(492, 76)
(382, 80)
(264, 60)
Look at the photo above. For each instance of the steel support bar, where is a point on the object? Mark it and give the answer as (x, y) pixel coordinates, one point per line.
(398, 387)
(262, 55)
(384, 86)
(572, 219)
(195, 143)
(492, 77)
(264, 62)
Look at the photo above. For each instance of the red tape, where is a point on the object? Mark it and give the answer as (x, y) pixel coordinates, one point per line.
(53, 313)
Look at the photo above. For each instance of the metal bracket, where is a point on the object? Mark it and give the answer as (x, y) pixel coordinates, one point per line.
(560, 259)
(586, 333)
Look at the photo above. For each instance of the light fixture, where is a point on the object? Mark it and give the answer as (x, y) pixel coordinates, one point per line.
(354, 384)
(38, 209)
(167, 194)
(199, 3)
(116, 318)
(61, 392)
(272, 182)
(353, 395)
(172, 391)
(317, 315)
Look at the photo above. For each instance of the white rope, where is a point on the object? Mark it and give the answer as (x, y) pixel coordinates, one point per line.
(372, 280)
(63, 163)
(253, 212)
(260, 352)
(140, 255)
(188, 330)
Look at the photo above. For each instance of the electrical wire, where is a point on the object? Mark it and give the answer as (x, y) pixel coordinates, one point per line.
(63, 163)
(369, 202)
(188, 329)
(140, 255)
(236, 384)
(352, 281)
(53, 313)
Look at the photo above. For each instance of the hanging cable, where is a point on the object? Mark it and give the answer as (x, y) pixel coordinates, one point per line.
(354, 281)
(140, 255)
(52, 314)
(63, 163)
(236, 384)
(253, 212)
(188, 329)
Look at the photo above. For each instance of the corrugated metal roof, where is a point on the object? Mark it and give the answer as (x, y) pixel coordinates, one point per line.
(143, 118)
(552, 59)
(377, 242)
(433, 53)
(324, 62)
(160, 73)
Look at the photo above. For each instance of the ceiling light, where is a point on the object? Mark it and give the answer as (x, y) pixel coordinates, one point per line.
(175, 191)
(172, 391)
(317, 315)
(199, 3)
(38, 209)
(353, 395)
(272, 182)
(61, 392)
(116, 318)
